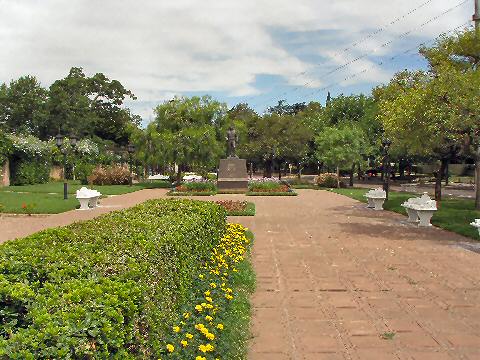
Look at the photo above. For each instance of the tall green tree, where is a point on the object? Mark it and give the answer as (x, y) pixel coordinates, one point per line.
(436, 112)
(90, 106)
(341, 147)
(192, 131)
(23, 107)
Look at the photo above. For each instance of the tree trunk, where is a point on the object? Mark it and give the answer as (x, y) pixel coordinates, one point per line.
(477, 179)
(279, 170)
(179, 174)
(338, 177)
(268, 168)
(359, 175)
(447, 173)
(438, 182)
(352, 171)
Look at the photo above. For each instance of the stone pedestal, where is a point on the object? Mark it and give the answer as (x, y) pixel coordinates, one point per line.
(232, 175)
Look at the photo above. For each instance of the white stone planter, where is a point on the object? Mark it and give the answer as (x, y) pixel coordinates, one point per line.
(376, 198)
(87, 197)
(378, 203)
(412, 215)
(83, 203)
(476, 224)
(371, 204)
(425, 215)
(93, 202)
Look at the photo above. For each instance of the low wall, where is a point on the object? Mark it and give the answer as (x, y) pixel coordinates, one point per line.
(5, 174)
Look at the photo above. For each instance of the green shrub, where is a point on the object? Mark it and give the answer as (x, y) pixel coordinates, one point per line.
(83, 170)
(24, 172)
(201, 186)
(109, 175)
(267, 186)
(328, 180)
(105, 288)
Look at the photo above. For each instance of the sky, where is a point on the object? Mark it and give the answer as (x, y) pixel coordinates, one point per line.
(255, 51)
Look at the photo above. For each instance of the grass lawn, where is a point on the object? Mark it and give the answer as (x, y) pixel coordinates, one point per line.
(453, 214)
(48, 198)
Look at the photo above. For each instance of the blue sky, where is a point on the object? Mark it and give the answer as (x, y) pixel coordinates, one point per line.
(255, 51)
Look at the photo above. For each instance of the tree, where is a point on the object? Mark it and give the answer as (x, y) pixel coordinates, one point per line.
(276, 138)
(191, 131)
(23, 107)
(436, 112)
(340, 146)
(283, 108)
(90, 106)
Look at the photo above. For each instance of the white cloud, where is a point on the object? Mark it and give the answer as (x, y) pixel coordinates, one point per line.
(158, 47)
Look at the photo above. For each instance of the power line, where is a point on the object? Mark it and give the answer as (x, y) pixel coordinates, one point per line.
(383, 62)
(365, 55)
(367, 37)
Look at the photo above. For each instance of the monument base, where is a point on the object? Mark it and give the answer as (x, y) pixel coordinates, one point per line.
(232, 175)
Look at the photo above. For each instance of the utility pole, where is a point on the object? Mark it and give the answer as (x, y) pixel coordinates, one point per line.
(476, 18)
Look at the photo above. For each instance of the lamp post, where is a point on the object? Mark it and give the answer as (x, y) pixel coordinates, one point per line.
(386, 165)
(131, 150)
(73, 143)
(59, 140)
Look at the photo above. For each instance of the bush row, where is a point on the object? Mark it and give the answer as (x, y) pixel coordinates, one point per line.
(104, 288)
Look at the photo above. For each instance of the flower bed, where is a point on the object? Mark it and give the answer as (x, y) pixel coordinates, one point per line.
(237, 208)
(194, 188)
(108, 287)
(269, 187)
(205, 326)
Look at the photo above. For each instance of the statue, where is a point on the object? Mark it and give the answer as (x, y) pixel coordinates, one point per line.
(232, 139)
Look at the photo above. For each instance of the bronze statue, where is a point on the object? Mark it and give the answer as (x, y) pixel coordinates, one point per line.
(232, 139)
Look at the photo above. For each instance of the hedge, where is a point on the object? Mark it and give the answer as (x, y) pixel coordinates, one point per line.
(105, 288)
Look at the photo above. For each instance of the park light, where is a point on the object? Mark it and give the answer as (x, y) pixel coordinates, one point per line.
(73, 141)
(131, 150)
(386, 142)
(59, 140)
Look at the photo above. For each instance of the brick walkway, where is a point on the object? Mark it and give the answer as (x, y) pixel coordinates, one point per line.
(333, 277)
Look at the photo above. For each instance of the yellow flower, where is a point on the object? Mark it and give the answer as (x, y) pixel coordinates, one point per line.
(201, 276)
(170, 347)
(176, 329)
(198, 308)
(189, 336)
(202, 348)
(207, 293)
(200, 358)
(220, 326)
(184, 343)
(210, 336)
(208, 318)
(209, 299)
(199, 326)
(186, 315)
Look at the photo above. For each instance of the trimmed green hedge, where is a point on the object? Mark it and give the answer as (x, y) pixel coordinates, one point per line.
(105, 288)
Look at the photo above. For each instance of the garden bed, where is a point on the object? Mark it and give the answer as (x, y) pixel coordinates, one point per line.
(215, 323)
(114, 286)
(269, 187)
(237, 208)
(194, 188)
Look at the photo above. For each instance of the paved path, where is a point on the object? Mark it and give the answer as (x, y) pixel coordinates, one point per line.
(333, 277)
(12, 227)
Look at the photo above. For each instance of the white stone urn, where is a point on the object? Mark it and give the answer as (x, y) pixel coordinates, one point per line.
(376, 197)
(476, 224)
